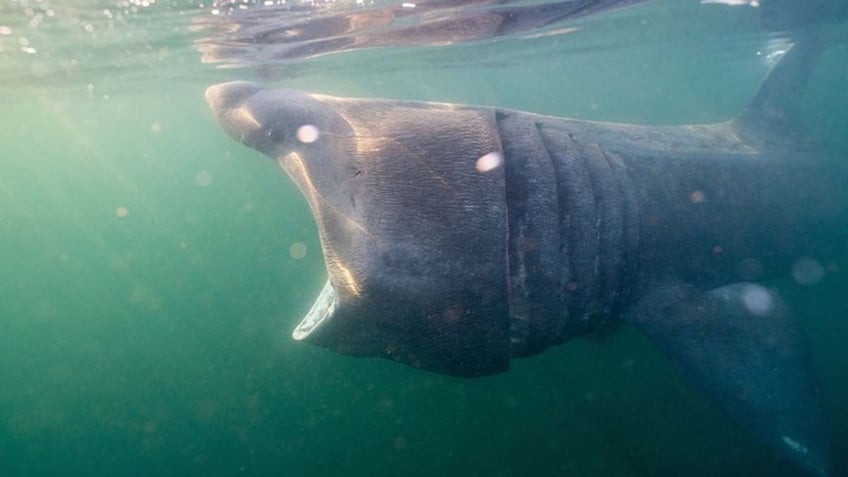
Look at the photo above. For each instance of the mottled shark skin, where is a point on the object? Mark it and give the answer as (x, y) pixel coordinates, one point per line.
(458, 237)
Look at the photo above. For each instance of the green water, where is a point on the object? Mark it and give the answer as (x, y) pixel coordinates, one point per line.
(148, 286)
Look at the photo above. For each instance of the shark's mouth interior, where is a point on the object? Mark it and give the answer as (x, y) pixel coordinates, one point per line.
(322, 311)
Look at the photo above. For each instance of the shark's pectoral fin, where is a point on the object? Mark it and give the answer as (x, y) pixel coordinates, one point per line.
(741, 348)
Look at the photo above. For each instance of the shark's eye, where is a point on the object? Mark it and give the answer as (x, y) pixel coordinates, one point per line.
(276, 135)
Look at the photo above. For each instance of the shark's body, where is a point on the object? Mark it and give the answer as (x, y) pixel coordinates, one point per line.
(458, 237)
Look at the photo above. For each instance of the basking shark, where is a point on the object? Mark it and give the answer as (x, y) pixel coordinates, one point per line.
(459, 237)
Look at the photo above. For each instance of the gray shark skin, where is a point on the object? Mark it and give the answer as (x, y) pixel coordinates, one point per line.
(458, 237)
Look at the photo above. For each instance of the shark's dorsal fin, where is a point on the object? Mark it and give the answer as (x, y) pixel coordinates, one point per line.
(774, 113)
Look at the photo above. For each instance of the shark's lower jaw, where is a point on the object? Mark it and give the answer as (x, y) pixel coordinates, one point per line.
(322, 311)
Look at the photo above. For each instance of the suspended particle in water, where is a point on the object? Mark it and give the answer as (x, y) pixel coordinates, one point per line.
(697, 197)
(489, 162)
(25, 46)
(807, 271)
(155, 128)
(122, 212)
(5, 31)
(203, 178)
(297, 250)
(307, 134)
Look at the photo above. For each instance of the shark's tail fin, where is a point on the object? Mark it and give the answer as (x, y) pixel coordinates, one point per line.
(774, 112)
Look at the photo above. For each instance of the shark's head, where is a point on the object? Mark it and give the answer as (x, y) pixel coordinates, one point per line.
(412, 227)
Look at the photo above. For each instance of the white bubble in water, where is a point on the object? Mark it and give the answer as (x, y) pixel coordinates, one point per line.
(5, 31)
(307, 134)
(807, 271)
(297, 250)
(757, 300)
(489, 161)
(203, 178)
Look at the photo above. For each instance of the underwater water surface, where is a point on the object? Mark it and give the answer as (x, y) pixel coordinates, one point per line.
(152, 269)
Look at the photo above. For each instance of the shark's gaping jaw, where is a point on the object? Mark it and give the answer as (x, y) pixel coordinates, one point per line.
(406, 282)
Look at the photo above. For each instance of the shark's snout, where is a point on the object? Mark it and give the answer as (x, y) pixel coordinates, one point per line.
(230, 103)
(225, 96)
(275, 122)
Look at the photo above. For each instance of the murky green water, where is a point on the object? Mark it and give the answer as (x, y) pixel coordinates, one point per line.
(151, 268)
